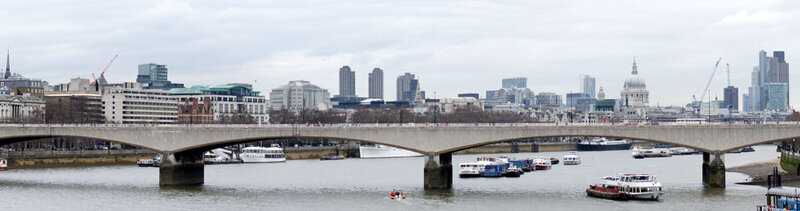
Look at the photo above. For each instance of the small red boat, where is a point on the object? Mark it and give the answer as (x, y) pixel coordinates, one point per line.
(397, 195)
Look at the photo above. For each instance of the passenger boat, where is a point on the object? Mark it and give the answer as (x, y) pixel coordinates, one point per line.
(382, 151)
(152, 162)
(643, 152)
(603, 144)
(572, 159)
(542, 163)
(782, 198)
(627, 186)
(270, 154)
(470, 170)
(3, 164)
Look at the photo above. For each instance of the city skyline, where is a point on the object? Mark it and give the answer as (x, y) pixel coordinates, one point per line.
(675, 57)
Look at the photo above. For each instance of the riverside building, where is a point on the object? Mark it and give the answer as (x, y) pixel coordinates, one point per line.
(139, 106)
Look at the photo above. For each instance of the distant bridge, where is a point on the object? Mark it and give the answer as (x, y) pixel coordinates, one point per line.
(183, 145)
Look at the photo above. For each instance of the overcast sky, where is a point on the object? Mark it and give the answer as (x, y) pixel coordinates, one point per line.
(452, 46)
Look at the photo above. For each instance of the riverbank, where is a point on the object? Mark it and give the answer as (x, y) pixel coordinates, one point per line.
(758, 172)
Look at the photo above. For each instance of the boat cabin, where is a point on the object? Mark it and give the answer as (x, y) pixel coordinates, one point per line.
(783, 198)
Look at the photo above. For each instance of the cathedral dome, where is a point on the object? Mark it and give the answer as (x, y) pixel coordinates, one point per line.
(635, 80)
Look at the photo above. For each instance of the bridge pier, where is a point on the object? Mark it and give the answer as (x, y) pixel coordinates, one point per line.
(183, 168)
(438, 171)
(714, 169)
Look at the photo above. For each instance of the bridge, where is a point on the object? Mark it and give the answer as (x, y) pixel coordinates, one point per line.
(182, 146)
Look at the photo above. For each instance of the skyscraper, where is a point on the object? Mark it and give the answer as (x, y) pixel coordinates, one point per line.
(731, 98)
(376, 84)
(407, 87)
(519, 82)
(587, 85)
(770, 82)
(154, 76)
(347, 81)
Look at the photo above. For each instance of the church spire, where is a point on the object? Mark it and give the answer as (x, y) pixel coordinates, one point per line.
(635, 69)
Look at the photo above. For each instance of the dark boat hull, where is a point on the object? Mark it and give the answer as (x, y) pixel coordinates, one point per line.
(589, 147)
(608, 195)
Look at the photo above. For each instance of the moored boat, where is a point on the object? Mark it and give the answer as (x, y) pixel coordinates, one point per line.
(554, 161)
(643, 152)
(542, 163)
(3, 164)
(603, 144)
(572, 159)
(470, 170)
(152, 162)
(220, 156)
(512, 171)
(492, 167)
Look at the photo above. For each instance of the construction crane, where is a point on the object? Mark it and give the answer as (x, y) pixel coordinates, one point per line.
(102, 80)
(102, 74)
(710, 79)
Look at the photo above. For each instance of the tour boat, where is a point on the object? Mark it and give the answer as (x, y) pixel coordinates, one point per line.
(382, 151)
(3, 164)
(272, 154)
(603, 144)
(572, 159)
(642, 152)
(627, 186)
(470, 170)
(542, 163)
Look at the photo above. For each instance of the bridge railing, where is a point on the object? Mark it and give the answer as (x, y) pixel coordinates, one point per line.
(340, 125)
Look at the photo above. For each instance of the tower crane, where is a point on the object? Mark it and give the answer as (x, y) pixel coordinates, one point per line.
(102, 78)
(710, 79)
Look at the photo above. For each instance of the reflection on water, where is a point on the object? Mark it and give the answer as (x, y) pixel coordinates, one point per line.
(364, 184)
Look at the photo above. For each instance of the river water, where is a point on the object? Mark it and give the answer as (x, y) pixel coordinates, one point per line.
(363, 184)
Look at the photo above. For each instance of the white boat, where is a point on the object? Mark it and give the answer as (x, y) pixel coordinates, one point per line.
(642, 152)
(3, 164)
(382, 151)
(572, 159)
(220, 156)
(637, 186)
(542, 163)
(470, 170)
(272, 154)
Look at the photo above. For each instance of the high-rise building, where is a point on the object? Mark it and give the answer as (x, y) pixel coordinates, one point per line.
(154, 76)
(587, 85)
(770, 82)
(347, 81)
(376, 84)
(573, 98)
(298, 96)
(519, 82)
(731, 98)
(407, 87)
(546, 100)
(472, 95)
